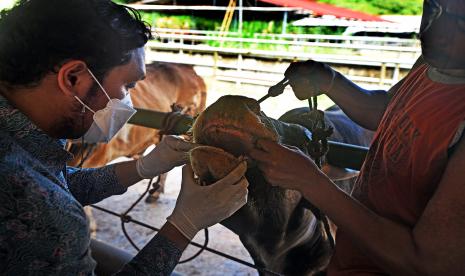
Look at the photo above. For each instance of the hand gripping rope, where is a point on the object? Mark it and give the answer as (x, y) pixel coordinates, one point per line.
(317, 147)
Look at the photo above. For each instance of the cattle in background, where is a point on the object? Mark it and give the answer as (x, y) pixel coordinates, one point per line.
(165, 84)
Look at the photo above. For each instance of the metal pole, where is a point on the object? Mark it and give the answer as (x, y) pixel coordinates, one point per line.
(346, 155)
(155, 119)
(283, 31)
(240, 19)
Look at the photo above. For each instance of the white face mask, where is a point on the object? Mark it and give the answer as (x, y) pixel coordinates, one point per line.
(109, 120)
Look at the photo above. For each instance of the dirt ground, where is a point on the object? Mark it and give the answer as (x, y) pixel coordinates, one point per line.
(221, 239)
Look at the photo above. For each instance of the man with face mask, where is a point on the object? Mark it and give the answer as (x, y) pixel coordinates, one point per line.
(406, 213)
(65, 71)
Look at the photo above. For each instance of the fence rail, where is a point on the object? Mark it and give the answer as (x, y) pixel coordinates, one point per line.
(257, 42)
(347, 39)
(388, 55)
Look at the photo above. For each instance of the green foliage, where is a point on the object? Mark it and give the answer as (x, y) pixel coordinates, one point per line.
(250, 28)
(380, 7)
(160, 20)
(262, 28)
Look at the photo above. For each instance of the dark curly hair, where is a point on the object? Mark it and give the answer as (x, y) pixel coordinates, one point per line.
(37, 36)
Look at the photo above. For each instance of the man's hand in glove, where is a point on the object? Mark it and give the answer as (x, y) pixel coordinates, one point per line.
(199, 207)
(171, 152)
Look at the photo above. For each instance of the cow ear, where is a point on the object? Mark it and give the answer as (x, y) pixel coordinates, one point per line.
(336, 173)
(73, 78)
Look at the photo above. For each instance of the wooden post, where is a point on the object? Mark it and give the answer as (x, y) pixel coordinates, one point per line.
(396, 74)
(215, 64)
(181, 41)
(239, 69)
(382, 76)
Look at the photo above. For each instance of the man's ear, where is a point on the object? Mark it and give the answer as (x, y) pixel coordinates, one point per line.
(73, 78)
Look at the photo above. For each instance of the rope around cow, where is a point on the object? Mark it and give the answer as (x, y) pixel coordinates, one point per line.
(318, 148)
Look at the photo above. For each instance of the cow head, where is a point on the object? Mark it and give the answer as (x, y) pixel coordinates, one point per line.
(233, 123)
(273, 226)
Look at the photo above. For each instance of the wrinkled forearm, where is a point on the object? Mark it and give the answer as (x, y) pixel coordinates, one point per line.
(364, 107)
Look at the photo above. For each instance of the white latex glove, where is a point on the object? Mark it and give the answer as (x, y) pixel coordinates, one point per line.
(199, 207)
(171, 152)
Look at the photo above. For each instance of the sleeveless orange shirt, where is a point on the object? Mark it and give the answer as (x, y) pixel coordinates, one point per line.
(407, 158)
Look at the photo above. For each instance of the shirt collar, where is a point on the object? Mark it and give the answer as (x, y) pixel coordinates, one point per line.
(48, 150)
(435, 75)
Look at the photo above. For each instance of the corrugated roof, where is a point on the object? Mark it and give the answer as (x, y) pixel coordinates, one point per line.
(324, 9)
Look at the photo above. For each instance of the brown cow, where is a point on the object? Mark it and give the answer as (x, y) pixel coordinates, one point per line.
(165, 84)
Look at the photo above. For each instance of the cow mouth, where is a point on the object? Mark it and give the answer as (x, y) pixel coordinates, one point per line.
(231, 137)
(211, 164)
(232, 124)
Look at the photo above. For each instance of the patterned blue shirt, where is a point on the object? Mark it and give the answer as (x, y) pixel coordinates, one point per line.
(43, 228)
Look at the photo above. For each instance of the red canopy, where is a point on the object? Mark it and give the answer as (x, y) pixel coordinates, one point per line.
(324, 9)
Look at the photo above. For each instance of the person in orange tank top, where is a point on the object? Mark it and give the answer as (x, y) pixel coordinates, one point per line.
(406, 213)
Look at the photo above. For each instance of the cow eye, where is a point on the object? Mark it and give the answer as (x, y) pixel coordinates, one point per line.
(130, 85)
